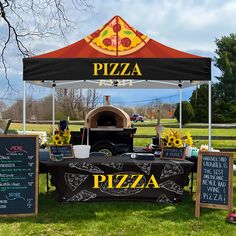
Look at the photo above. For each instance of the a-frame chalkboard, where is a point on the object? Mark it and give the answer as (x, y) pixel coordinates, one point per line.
(214, 181)
(18, 175)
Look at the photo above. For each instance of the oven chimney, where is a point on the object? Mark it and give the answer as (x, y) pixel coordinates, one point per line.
(106, 100)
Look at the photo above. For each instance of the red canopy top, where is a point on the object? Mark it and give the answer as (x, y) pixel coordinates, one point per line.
(116, 39)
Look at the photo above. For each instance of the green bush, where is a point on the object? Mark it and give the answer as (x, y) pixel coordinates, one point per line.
(187, 112)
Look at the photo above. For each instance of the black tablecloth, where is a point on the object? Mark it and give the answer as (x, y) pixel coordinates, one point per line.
(74, 179)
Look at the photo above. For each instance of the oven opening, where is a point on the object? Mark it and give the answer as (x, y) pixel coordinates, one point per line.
(106, 119)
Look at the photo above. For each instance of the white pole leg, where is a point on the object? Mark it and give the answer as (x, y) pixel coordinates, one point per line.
(53, 110)
(24, 108)
(180, 107)
(209, 116)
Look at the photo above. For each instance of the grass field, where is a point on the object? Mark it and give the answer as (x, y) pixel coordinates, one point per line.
(120, 218)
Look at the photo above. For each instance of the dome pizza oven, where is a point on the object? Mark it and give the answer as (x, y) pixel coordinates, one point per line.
(109, 130)
(107, 117)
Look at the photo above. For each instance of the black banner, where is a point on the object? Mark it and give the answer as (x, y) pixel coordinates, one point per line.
(119, 178)
(42, 69)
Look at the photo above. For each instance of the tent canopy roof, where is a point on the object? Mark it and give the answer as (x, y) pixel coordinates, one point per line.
(117, 55)
(116, 39)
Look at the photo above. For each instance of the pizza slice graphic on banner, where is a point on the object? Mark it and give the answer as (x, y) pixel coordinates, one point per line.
(83, 195)
(164, 199)
(114, 165)
(171, 169)
(145, 167)
(73, 181)
(170, 185)
(117, 37)
(86, 167)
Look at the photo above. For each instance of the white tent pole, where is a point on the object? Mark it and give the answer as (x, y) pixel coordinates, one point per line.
(24, 107)
(53, 109)
(209, 116)
(180, 107)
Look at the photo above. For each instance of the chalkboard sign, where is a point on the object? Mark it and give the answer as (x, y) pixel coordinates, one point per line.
(18, 175)
(65, 150)
(173, 153)
(214, 181)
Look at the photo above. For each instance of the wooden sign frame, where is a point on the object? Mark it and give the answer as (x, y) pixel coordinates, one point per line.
(173, 158)
(50, 152)
(198, 203)
(36, 175)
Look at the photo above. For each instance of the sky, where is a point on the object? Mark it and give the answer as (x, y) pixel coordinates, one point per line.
(187, 25)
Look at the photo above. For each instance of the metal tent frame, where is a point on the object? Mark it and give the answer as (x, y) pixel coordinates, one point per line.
(53, 85)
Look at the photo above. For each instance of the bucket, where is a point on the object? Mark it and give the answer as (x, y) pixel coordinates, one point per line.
(81, 151)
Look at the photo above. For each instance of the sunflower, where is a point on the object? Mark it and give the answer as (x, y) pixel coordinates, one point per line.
(178, 143)
(56, 137)
(169, 144)
(172, 139)
(189, 141)
(59, 142)
(164, 144)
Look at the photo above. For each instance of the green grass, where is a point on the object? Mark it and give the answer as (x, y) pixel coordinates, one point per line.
(39, 127)
(118, 218)
(194, 131)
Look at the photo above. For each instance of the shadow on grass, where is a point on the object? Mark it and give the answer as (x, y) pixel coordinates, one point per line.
(52, 211)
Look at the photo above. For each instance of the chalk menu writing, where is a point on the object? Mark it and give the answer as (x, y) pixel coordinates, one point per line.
(65, 150)
(18, 175)
(214, 180)
(175, 153)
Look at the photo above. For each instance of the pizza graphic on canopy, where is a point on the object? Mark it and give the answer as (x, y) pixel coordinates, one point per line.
(117, 37)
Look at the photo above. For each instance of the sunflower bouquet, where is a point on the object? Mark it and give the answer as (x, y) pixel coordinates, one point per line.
(61, 137)
(176, 139)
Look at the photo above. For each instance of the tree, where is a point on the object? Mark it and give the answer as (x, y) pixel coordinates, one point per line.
(24, 21)
(225, 60)
(199, 102)
(187, 112)
(2, 108)
(74, 103)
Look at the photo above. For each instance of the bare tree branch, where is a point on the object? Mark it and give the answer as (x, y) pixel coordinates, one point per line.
(26, 20)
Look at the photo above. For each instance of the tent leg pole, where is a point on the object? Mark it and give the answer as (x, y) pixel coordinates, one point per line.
(180, 108)
(24, 108)
(209, 115)
(87, 136)
(53, 110)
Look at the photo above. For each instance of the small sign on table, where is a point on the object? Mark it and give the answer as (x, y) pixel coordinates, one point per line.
(173, 153)
(214, 181)
(64, 151)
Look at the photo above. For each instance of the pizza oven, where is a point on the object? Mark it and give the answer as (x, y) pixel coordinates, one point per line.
(107, 117)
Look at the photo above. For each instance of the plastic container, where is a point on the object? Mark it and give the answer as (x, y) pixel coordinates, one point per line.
(81, 151)
(188, 151)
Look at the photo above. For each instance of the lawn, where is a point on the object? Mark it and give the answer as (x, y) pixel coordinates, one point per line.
(151, 131)
(118, 218)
